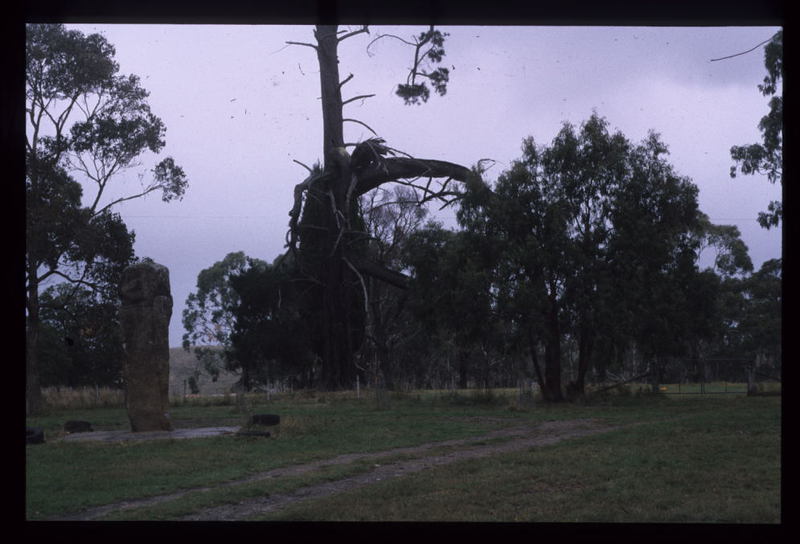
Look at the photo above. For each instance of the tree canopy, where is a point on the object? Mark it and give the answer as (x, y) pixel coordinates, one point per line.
(86, 123)
(767, 157)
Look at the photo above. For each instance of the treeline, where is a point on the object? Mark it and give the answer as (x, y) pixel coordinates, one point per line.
(580, 264)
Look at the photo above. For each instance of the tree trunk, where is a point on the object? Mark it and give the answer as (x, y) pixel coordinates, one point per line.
(34, 402)
(338, 368)
(463, 367)
(552, 355)
(535, 359)
(585, 349)
(336, 259)
(328, 56)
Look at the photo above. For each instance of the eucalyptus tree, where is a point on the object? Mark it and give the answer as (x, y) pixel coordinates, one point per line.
(761, 324)
(209, 316)
(592, 235)
(84, 120)
(269, 341)
(452, 300)
(589, 167)
(391, 216)
(530, 220)
(654, 250)
(81, 343)
(326, 230)
(767, 157)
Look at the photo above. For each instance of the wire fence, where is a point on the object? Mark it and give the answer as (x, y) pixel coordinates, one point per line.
(722, 376)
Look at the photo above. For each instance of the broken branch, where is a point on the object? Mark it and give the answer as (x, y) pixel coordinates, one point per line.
(361, 123)
(311, 45)
(361, 30)
(359, 97)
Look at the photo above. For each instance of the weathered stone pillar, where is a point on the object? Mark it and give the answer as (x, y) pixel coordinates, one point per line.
(144, 317)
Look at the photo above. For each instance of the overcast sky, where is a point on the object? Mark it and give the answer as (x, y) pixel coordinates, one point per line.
(239, 105)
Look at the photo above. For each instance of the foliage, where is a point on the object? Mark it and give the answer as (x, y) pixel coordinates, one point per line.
(390, 219)
(593, 247)
(752, 314)
(209, 314)
(767, 157)
(82, 341)
(416, 91)
(84, 120)
(269, 341)
(451, 302)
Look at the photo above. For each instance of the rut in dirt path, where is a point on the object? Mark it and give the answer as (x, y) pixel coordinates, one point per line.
(521, 438)
(541, 435)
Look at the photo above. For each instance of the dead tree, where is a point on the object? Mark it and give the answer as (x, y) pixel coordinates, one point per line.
(326, 240)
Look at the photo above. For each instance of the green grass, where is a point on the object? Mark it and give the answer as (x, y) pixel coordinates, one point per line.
(62, 477)
(716, 459)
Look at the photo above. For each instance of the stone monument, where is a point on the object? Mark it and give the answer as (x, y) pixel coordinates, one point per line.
(144, 316)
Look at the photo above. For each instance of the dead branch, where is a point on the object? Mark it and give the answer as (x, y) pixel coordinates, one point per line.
(362, 124)
(363, 284)
(361, 30)
(357, 98)
(310, 171)
(311, 45)
(380, 272)
(388, 36)
(397, 168)
(294, 213)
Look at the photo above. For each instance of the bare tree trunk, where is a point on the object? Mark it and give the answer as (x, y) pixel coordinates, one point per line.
(336, 259)
(328, 56)
(338, 368)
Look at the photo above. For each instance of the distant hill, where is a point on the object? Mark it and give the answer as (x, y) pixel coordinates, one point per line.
(181, 365)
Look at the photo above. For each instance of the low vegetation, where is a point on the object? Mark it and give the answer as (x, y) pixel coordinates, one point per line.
(714, 459)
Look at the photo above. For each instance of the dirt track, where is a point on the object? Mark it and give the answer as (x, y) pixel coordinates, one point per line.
(519, 438)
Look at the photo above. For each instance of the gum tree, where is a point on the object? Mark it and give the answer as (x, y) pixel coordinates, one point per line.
(327, 236)
(209, 317)
(767, 157)
(86, 124)
(593, 237)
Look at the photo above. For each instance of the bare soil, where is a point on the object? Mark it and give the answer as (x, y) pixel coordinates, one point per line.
(518, 438)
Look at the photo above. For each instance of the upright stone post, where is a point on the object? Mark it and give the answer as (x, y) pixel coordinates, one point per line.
(144, 316)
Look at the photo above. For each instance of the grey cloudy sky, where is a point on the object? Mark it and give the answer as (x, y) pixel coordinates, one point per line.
(240, 105)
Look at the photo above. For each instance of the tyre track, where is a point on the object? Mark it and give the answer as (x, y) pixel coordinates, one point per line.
(521, 438)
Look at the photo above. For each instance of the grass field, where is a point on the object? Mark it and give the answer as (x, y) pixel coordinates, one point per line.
(716, 459)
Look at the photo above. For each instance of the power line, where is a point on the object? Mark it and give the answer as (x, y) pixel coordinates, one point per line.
(743, 52)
